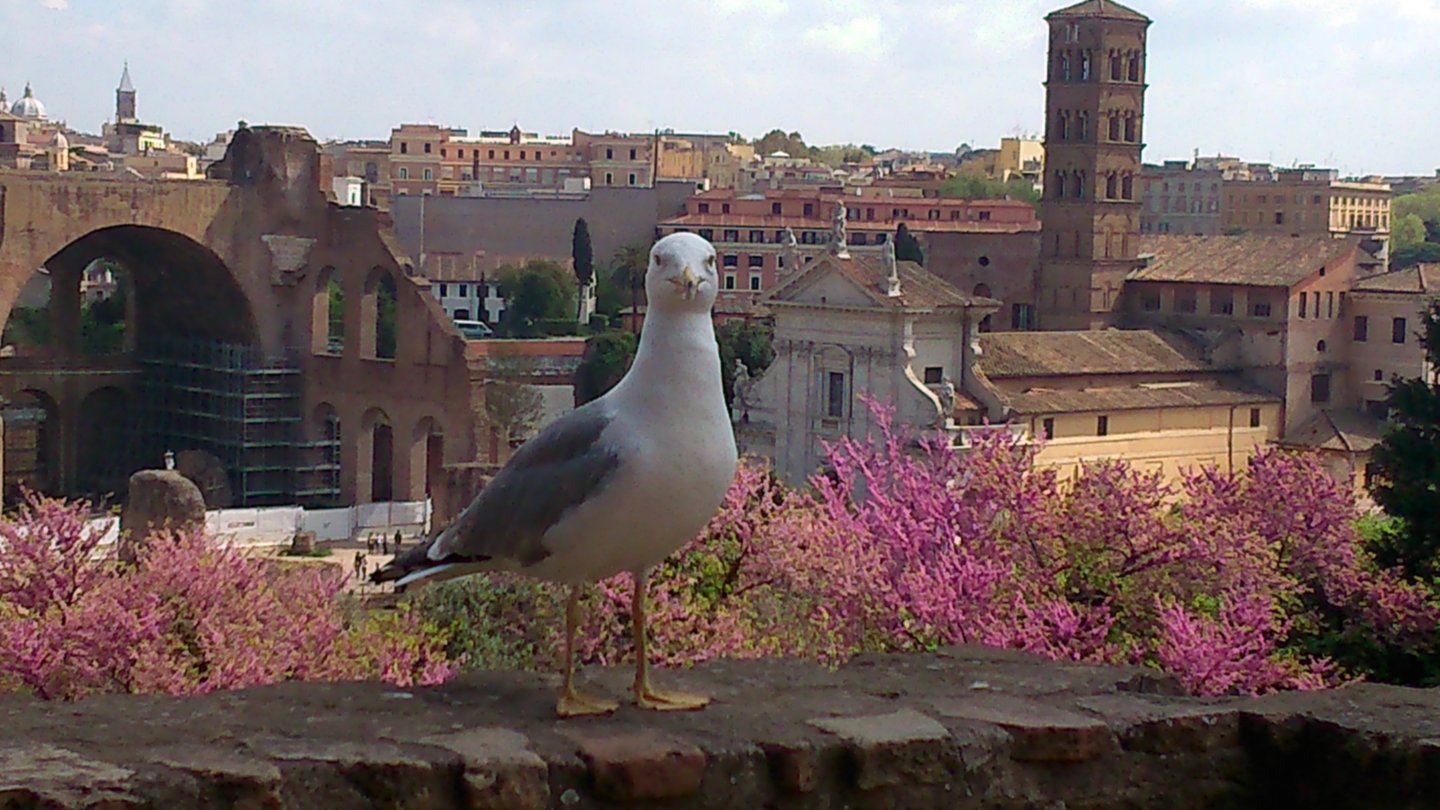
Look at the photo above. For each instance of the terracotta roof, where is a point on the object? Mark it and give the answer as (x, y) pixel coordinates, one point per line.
(1421, 279)
(919, 288)
(1250, 260)
(1134, 398)
(1100, 8)
(773, 221)
(1063, 354)
(1346, 431)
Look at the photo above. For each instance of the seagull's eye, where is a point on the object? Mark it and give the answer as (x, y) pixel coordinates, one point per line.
(710, 261)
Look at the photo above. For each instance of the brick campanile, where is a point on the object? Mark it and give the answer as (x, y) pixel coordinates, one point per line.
(1094, 124)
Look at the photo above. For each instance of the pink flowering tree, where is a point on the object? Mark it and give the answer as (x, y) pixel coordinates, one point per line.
(190, 616)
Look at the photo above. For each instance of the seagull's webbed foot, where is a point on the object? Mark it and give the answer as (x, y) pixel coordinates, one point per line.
(574, 704)
(647, 697)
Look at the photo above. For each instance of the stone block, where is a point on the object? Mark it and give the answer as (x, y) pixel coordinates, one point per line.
(244, 783)
(1150, 727)
(47, 776)
(1038, 732)
(795, 767)
(158, 500)
(893, 749)
(501, 771)
(640, 764)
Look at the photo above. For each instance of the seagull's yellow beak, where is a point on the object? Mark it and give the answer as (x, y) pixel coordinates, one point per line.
(687, 283)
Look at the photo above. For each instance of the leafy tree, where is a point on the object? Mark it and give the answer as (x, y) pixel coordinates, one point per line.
(630, 264)
(1424, 204)
(27, 326)
(1407, 467)
(748, 341)
(386, 314)
(907, 247)
(837, 155)
(1423, 253)
(512, 407)
(979, 187)
(607, 358)
(540, 290)
(1406, 232)
(777, 141)
(581, 254)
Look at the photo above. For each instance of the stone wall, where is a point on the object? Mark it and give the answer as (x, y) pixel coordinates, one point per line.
(964, 728)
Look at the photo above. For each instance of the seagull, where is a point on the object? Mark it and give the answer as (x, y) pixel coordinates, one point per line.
(616, 485)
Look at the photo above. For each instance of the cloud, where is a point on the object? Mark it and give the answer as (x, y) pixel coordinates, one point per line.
(862, 37)
(57, 5)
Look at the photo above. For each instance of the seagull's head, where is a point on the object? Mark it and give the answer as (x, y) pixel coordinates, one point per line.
(682, 275)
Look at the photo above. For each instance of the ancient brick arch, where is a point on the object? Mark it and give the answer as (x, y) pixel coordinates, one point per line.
(237, 270)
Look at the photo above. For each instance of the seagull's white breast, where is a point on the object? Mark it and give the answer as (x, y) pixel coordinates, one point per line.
(677, 459)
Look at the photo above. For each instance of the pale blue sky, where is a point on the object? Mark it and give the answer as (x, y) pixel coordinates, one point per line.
(1346, 84)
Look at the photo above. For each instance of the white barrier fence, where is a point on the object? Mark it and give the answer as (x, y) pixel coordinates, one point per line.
(274, 526)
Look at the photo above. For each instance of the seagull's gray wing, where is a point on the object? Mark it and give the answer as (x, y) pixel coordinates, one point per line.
(548, 476)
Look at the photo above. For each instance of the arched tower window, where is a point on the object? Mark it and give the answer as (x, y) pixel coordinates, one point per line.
(1065, 66)
(1059, 185)
(1086, 74)
(1127, 189)
(1112, 186)
(1063, 126)
(1079, 185)
(1085, 125)
(1116, 71)
(1114, 126)
(1134, 67)
(1131, 135)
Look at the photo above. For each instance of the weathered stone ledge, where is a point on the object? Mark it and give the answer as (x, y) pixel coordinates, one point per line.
(966, 728)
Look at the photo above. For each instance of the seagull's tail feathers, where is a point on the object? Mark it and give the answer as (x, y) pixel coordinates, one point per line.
(415, 567)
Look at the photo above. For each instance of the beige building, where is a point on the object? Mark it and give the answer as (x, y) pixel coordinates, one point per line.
(1309, 201)
(1020, 158)
(1148, 397)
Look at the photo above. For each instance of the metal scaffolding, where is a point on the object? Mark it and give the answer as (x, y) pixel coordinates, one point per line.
(229, 401)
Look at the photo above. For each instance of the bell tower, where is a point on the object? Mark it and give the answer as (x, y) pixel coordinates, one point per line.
(1094, 124)
(125, 99)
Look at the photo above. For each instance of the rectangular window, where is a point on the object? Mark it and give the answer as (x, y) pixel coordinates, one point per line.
(632, 178)
(755, 282)
(1329, 304)
(1260, 309)
(756, 260)
(1303, 299)
(730, 260)
(404, 148)
(444, 291)
(1150, 301)
(1222, 302)
(609, 154)
(725, 209)
(632, 154)
(809, 209)
(1362, 328)
(1185, 301)
(1254, 417)
(1021, 316)
(1319, 388)
(1397, 331)
(1315, 301)
(757, 237)
(707, 234)
(464, 290)
(835, 395)
(775, 208)
(1102, 426)
(729, 281)
(704, 208)
(1047, 426)
(731, 236)
(934, 375)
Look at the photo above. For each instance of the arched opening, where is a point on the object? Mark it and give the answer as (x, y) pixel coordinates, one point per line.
(379, 311)
(32, 444)
(318, 474)
(982, 290)
(161, 331)
(428, 455)
(103, 462)
(327, 325)
(377, 479)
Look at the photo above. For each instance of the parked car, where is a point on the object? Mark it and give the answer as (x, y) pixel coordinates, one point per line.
(474, 330)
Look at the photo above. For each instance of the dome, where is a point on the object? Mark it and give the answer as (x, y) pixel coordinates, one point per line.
(29, 106)
(60, 141)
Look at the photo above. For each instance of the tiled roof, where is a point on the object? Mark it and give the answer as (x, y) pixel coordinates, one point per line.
(1133, 398)
(1423, 278)
(1346, 431)
(919, 288)
(1064, 354)
(1250, 260)
(775, 221)
(1100, 8)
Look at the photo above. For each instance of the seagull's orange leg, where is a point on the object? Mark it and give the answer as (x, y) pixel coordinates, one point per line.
(572, 703)
(646, 696)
